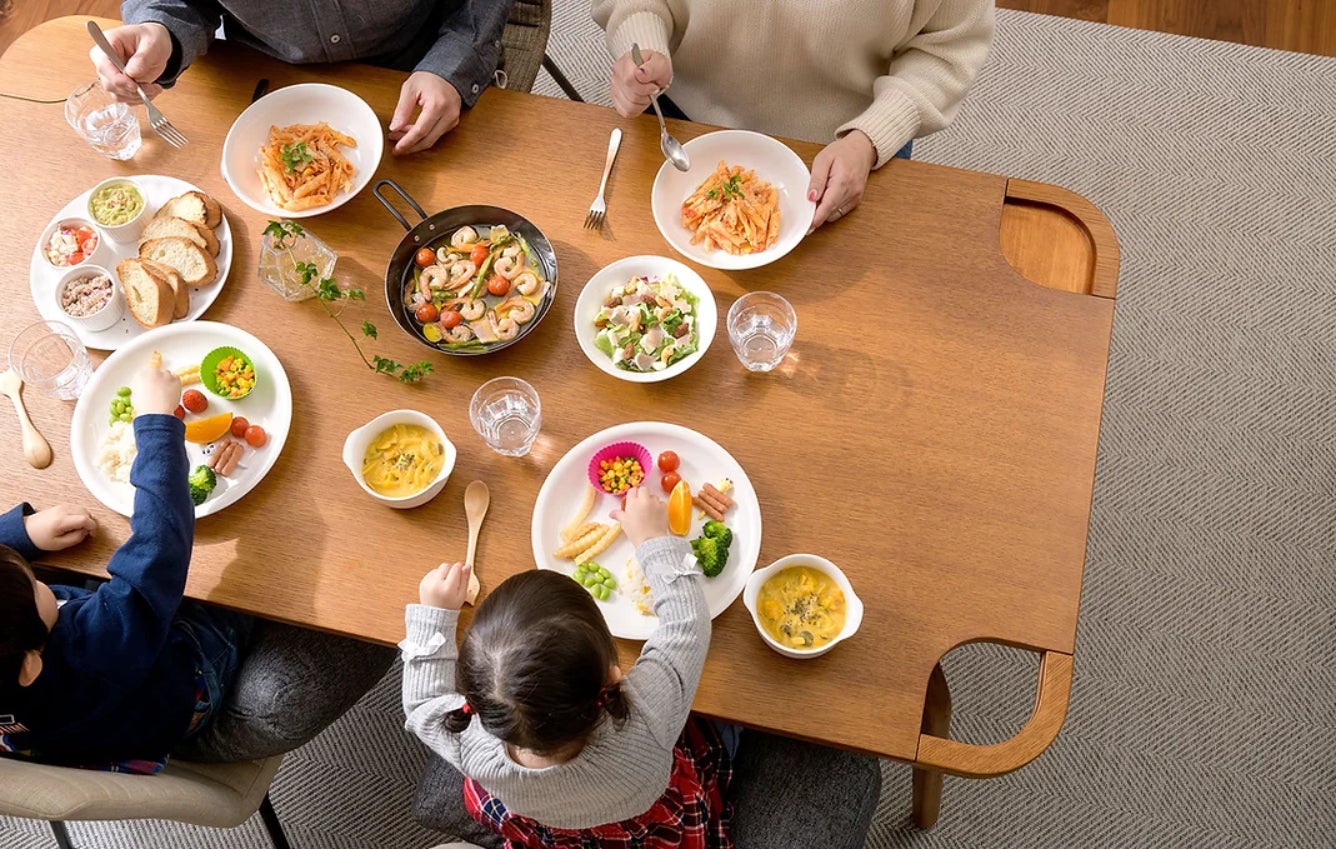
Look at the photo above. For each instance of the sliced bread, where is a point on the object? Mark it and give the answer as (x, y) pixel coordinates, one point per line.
(168, 226)
(196, 207)
(173, 278)
(149, 297)
(191, 261)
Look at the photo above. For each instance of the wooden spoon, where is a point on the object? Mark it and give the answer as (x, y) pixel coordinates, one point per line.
(476, 499)
(36, 450)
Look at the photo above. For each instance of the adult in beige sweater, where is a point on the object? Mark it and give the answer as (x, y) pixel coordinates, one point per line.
(863, 76)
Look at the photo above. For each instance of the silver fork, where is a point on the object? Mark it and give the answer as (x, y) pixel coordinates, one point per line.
(599, 208)
(156, 119)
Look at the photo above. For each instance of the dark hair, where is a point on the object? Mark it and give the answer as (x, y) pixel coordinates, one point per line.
(21, 627)
(533, 665)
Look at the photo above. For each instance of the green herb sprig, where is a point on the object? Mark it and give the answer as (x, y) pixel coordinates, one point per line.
(295, 156)
(284, 233)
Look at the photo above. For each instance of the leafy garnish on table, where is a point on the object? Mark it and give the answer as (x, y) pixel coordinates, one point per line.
(295, 156)
(327, 291)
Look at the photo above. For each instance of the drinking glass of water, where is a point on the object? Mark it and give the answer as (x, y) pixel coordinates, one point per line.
(761, 326)
(49, 356)
(111, 127)
(506, 413)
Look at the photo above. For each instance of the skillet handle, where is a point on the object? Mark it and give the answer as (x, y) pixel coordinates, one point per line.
(380, 184)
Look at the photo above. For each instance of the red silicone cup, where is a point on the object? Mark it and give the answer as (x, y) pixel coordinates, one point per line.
(619, 449)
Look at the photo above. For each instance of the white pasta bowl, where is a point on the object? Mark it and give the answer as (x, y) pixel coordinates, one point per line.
(307, 103)
(773, 162)
(354, 449)
(853, 617)
(596, 292)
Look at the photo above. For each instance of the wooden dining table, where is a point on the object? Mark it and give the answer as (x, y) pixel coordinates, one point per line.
(933, 430)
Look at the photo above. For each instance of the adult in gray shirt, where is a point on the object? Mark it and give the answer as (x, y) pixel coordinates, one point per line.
(450, 46)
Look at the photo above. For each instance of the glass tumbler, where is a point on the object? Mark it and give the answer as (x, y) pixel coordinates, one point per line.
(48, 356)
(761, 327)
(507, 415)
(111, 127)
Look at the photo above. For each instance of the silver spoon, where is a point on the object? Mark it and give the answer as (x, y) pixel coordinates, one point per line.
(671, 147)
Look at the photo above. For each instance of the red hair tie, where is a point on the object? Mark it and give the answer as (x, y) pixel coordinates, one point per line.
(604, 697)
(466, 709)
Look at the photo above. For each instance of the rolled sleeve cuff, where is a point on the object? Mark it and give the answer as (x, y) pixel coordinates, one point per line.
(645, 29)
(14, 534)
(889, 122)
(459, 63)
(429, 630)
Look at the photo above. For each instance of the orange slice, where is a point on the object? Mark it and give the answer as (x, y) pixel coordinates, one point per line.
(204, 431)
(679, 509)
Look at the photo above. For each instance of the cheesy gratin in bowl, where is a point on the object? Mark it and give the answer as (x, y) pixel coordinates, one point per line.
(401, 458)
(802, 605)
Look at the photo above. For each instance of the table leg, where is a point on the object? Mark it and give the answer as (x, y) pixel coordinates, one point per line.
(937, 722)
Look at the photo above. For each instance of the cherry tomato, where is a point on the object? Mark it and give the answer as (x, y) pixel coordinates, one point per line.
(498, 286)
(76, 258)
(479, 254)
(425, 257)
(427, 313)
(180, 412)
(239, 425)
(668, 461)
(256, 437)
(670, 480)
(450, 319)
(194, 401)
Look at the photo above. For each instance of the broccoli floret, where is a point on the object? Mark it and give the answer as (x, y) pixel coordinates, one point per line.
(711, 556)
(718, 531)
(202, 481)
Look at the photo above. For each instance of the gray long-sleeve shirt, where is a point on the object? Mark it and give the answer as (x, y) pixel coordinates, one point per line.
(459, 40)
(621, 771)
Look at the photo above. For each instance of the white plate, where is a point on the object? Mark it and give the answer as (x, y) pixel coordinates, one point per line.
(772, 161)
(307, 103)
(703, 461)
(596, 292)
(43, 276)
(269, 405)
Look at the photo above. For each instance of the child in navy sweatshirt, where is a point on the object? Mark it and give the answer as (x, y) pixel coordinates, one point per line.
(116, 677)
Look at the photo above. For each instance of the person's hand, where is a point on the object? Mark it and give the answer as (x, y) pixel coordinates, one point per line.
(439, 104)
(839, 175)
(60, 527)
(644, 516)
(145, 49)
(632, 84)
(155, 390)
(446, 586)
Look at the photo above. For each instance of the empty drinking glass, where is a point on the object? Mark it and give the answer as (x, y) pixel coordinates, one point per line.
(49, 356)
(506, 413)
(110, 126)
(761, 326)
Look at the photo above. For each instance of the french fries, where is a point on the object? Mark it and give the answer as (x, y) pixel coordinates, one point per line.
(301, 166)
(587, 536)
(577, 521)
(189, 375)
(734, 210)
(610, 533)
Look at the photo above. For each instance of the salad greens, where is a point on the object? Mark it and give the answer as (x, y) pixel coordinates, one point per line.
(647, 324)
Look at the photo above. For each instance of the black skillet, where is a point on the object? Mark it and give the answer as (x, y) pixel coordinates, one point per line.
(431, 230)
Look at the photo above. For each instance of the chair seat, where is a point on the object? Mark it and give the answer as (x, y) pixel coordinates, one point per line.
(216, 795)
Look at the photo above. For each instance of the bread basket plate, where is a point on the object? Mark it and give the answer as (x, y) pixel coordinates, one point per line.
(44, 278)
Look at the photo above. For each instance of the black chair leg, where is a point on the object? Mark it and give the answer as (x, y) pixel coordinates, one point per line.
(62, 836)
(272, 825)
(560, 78)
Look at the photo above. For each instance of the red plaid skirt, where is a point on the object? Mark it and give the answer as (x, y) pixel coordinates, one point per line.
(691, 814)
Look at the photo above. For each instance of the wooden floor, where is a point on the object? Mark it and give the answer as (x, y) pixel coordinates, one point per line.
(1307, 26)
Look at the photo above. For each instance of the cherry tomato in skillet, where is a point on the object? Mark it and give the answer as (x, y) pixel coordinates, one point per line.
(425, 257)
(479, 254)
(498, 285)
(668, 461)
(427, 313)
(670, 480)
(450, 319)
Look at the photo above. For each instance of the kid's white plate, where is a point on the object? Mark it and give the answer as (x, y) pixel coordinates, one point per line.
(703, 461)
(269, 405)
(596, 292)
(44, 277)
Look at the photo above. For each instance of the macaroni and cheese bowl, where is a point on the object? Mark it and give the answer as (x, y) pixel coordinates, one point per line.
(401, 458)
(803, 605)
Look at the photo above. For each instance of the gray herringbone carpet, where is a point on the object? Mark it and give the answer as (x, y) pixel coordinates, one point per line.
(1202, 714)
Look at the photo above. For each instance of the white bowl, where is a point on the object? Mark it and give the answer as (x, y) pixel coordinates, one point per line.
(100, 255)
(354, 449)
(110, 313)
(130, 230)
(772, 161)
(307, 103)
(596, 292)
(853, 616)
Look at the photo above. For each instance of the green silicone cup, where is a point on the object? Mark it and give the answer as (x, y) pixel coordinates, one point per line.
(209, 365)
